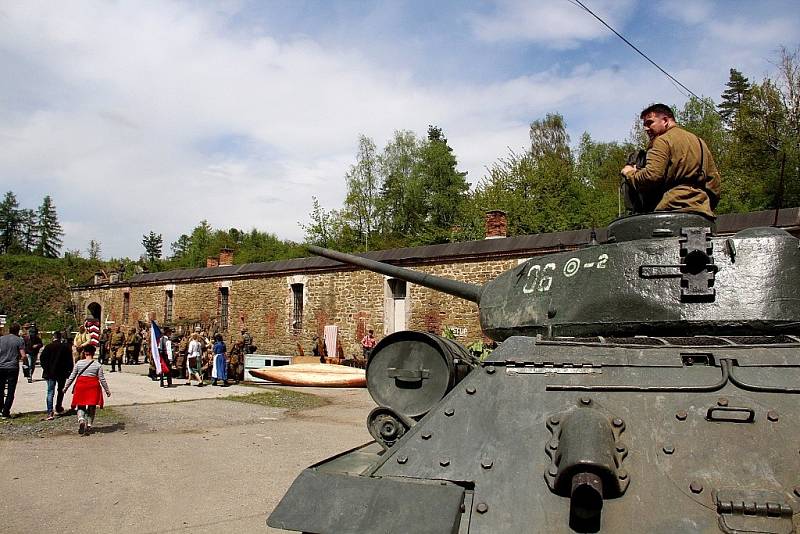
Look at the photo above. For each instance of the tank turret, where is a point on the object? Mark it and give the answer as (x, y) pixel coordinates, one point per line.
(648, 383)
(660, 274)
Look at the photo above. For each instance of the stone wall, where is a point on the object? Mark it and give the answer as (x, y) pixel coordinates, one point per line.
(354, 300)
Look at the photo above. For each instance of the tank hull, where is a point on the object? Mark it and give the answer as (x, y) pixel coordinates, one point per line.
(691, 428)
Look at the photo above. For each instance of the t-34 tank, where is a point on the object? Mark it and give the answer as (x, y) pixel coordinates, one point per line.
(646, 384)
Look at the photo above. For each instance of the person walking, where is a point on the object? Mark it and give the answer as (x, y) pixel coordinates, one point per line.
(56, 361)
(194, 362)
(33, 344)
(87, 395)
(165, 355)
(12, 351)
(220, 369)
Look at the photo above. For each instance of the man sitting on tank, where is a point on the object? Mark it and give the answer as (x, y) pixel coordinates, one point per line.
(680, 173)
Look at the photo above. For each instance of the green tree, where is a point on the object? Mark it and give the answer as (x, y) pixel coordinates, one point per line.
(201, 243)
(401, 194)
(319, 231)
(28, 230)
(736, 94)
(152, 243)
(445, 188)
(789, 86)
(49, 231)
(597, 169)
(699, 117)
(539, 188)
(93, 250)
(549, 139)
(181, 246)
(9, 223)
(363, 186)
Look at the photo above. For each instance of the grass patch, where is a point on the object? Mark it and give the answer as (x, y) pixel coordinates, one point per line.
(281, 398)
(33, 424)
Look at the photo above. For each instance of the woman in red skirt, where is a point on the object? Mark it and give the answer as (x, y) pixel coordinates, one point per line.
(87, 396)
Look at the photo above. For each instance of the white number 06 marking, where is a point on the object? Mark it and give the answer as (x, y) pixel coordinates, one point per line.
(544, 283)
(541, 278)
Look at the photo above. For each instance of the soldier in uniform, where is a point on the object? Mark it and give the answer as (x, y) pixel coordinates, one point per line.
(680, 173)
(183, 354)
(247, 342)
(117, 348)
(81, 340)
(105, 337)
(132, 343)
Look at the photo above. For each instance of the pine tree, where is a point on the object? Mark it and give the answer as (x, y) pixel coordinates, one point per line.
(28, 230)
(152, 243)
(9, 223)
(445, 187)
(738, 89)
(180, 248)
(49, 232)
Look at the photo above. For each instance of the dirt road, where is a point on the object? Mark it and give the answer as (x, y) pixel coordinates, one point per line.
(203, 466)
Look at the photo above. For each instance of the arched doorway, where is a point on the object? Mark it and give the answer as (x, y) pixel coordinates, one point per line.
(94, 310)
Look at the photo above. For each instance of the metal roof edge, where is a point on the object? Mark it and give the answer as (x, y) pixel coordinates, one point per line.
(497, 248)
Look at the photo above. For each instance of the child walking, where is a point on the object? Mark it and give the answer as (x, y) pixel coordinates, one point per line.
(86, 395)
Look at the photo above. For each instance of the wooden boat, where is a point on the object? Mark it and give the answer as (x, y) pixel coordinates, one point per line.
(314, 375)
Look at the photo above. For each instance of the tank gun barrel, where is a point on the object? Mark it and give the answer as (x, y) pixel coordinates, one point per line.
(471, 292)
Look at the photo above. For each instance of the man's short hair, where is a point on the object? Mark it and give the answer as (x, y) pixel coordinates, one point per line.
(14, 328)
(658, 109)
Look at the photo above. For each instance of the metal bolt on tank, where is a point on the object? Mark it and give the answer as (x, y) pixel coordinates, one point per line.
(650, 383)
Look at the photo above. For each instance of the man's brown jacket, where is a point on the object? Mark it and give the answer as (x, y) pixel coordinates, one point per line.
(674, 176)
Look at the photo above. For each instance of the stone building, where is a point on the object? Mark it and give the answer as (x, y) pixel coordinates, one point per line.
(286, 304)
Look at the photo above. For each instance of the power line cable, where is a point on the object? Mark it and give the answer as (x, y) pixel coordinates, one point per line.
(656, 65)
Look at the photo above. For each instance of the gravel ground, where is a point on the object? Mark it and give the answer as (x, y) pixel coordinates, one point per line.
(202, 466)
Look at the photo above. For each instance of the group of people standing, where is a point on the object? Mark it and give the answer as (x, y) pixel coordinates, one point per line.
(196, 357)
(117, 346)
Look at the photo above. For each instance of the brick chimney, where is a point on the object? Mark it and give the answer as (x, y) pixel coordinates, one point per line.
(496, 224)
(212, 261)
(225, 257)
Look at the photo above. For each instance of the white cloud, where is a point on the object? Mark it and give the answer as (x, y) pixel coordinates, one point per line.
(694, 12)
(556, 24)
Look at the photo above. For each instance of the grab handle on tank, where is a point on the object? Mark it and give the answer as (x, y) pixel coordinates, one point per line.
(731, 414)
(408, 375)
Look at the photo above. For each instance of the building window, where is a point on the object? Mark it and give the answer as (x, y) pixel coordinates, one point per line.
(126, 307)
(223, 307)
(297, 308)
(168, 295)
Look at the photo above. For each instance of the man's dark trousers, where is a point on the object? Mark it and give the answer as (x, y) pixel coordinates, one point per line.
(8, 379)
(61, 381)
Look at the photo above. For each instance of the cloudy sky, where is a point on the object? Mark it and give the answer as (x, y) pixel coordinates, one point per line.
(153, 115)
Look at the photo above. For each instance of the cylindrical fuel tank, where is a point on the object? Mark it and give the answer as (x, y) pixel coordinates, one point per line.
(410, 372)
